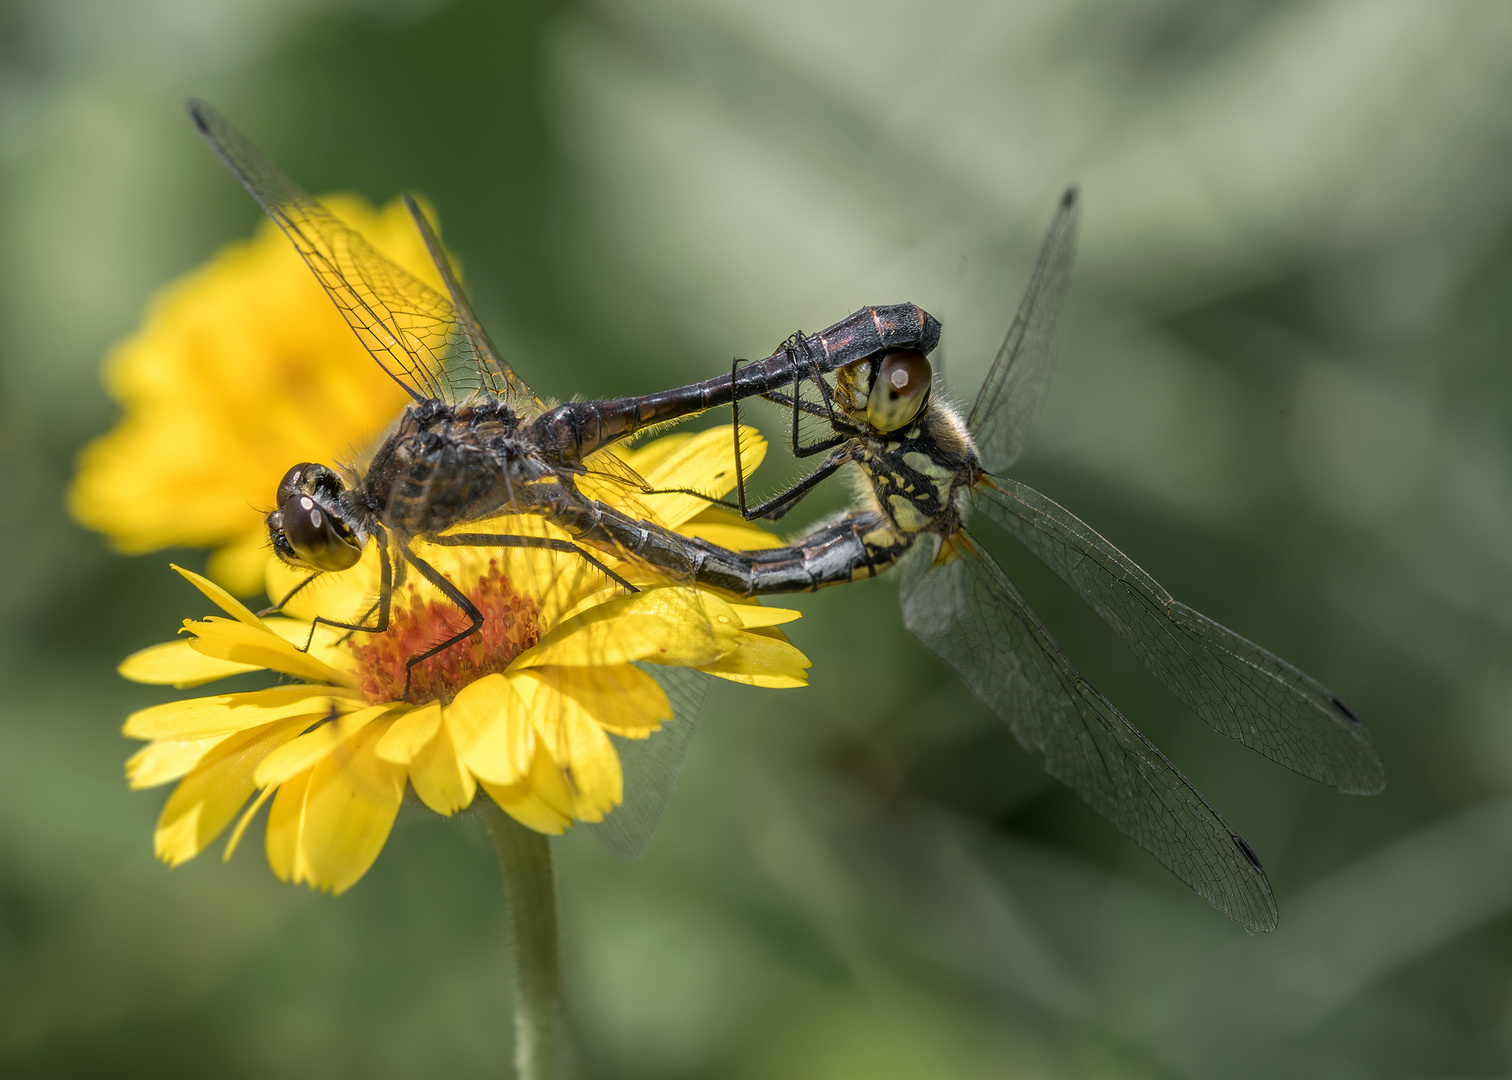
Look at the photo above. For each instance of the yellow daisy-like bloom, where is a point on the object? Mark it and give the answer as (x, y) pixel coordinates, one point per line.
(241, 368)
(523, 709)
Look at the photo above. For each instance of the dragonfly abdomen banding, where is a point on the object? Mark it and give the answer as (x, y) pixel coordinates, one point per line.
(853, 547)
(573, 431)
(856, 546)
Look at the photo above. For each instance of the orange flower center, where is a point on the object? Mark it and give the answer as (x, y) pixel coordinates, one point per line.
(509, 628)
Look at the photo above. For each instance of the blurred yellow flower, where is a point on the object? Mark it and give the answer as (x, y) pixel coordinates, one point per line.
(240, 369)
(521, 709)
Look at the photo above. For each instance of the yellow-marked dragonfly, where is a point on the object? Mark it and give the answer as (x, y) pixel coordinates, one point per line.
(926, 471)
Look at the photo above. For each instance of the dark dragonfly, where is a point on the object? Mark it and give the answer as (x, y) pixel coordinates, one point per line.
(476, 442)
(926, 470)
(476, 445)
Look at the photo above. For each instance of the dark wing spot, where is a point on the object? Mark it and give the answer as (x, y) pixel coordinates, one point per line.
(1348, 713)
(1249, 852)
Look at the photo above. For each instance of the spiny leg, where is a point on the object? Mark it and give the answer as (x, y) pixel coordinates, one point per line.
(735, 426)
(546, 542)
(274, 609)
(828, 412)
(385, 600)
(456, 596)
(776, 507)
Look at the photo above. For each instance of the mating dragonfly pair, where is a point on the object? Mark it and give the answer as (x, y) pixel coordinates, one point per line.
(477, 445)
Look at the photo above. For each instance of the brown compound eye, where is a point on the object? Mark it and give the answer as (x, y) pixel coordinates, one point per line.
(899, 390)
(308, 478)
(291, 483)
(317, 539)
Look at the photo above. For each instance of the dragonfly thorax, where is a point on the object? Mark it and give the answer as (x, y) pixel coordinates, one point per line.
(920, 476)
(444, 464)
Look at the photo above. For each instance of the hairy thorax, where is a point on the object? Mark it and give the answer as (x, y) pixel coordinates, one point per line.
(919, 476)
(447, 464)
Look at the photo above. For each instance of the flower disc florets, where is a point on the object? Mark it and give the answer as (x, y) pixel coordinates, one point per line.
(510, 626)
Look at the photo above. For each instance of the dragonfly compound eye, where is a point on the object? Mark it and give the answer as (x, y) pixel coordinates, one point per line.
(316, 538)
(308, 478)
(899, 390)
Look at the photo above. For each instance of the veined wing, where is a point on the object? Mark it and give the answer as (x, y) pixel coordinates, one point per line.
(652, 766)
(1240, 689)
(412, 331)
(495, 375)
(1015, 384)
(966, 611)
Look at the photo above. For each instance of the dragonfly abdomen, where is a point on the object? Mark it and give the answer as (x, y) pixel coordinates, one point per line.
(573, 431)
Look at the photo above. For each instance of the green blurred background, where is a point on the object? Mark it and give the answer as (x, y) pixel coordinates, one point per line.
(1285, 390)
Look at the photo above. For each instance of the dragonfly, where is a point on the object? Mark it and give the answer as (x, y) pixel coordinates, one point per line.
(927, 470)
(476, 444)
(476, 441)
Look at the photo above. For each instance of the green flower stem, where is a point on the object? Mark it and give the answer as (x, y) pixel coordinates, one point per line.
(530, 883)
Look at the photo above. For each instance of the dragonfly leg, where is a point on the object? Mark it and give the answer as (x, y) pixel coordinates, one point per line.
(778, 505)
(385, 600)
(456, 596)
(549, 543)
(798, 345)
(274, 609)
(775, 508)
(735, 429)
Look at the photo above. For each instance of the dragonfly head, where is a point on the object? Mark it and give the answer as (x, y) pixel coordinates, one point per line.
(306, 529)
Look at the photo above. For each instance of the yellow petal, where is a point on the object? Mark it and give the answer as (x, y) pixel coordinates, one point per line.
(645, 459)
(528, 808)
(540, 801)
(727, 529)
(159, 762)
(208, 798)
(259, 646)
(763, 661)
(490, 731)
(285, 823)
(440, 779)
(314, 746)
(326, 644)
(176, 663)
(202, 718)
(622, 698)
(409, 734)
(220, 597)
(584, 757)
(246, 819)
(686, 627)
(349, 811)
(754, 616)
(705, 464)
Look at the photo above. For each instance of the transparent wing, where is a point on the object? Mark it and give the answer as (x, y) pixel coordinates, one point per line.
(495, 375)
(652, 766)
(413, 332)
(1015, 384)
(967, 612)
(1237, 687)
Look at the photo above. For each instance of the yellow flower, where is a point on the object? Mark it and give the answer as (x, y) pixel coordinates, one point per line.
(240, 369)
(522, 709)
